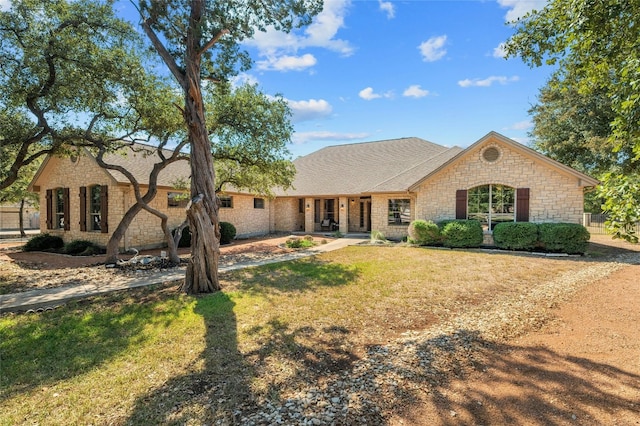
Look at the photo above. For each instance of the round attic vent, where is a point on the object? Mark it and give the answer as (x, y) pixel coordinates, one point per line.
(491, 154)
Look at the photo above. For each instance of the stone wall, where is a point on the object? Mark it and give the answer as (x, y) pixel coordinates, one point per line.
(554, 196)
(249, 221)
(380, 216)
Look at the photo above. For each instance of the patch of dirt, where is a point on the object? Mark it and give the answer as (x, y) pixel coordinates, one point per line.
(581, 368)
(24, 271)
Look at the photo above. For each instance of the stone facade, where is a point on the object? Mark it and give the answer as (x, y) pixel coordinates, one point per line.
(554, 196)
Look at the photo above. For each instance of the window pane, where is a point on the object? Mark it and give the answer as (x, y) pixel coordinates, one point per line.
(95, 208)
(59, 209)
(399, 211)
(258, 203)
(226, 201)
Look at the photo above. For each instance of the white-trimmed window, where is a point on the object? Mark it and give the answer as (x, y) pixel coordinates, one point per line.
(491, 204)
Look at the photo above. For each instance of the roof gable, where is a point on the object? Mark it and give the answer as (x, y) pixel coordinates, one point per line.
(497, 138)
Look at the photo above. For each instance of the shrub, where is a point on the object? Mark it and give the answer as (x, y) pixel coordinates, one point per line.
(462, 234)
(570, 238)
(82, 248)
(44, 242)
(299, 243)
(424, 233)
(516, 235)
(377, 236)
(185, 238)
(227, 232)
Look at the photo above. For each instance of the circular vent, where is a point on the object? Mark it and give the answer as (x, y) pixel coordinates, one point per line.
(491, 154)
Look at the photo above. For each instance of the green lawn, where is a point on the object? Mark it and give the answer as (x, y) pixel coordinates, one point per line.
(154, 356)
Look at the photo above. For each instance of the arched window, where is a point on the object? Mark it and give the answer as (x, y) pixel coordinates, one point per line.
(491, 204)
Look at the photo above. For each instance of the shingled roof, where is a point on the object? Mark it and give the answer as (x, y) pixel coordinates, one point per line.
(139, 161)
(370, 167)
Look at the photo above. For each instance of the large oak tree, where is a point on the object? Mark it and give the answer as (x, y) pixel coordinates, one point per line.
(595, 44)
(199, 40)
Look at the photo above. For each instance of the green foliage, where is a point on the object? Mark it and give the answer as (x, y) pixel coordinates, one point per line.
(82, 248)
(378, 236)
(43, 242)
(297, 243)
(571, 238)
(622, 204)
(424, 233)
(227, 232)
(62, 59)
(185, 238)
(516, 235)
(461, 233)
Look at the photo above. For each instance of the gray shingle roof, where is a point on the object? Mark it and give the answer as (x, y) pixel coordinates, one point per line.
(140, 164)
(382, 166)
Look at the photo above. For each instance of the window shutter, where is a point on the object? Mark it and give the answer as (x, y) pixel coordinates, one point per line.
(83, 208)
(461, 204)
(67, 211)
(104, 209)
(522, 205)
(49, 209)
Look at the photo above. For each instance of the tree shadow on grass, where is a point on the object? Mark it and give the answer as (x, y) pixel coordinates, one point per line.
(40, 350)
(294, 276)
(231, 383)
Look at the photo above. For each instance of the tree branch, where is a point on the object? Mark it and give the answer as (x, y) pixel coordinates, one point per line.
(213, 41)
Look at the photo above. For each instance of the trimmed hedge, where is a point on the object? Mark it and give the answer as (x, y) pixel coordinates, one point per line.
(516, 235)
(424, 233)
(185, 237)
(570, 238)
(227, 232)
(461, 233)
(82, 248)
(44, 242)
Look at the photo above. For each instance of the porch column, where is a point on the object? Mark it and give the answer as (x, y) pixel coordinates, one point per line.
(308, 215)
(343, 215)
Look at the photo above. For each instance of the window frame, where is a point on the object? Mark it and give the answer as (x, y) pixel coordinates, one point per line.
(494, 208)
(180, 203)
(226, 201)
(258, 203)
(398, 211)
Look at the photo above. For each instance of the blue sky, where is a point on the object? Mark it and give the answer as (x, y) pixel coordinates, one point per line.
(368, 70)
(372, 70)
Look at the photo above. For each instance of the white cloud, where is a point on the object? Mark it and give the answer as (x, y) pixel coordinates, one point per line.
(521, 125)
(5, 5)
(280, 48)
(309, 110)
(387, 6)
(487, 82)
(415, 91)
(368, 94)
(519, 8)
(243, 78)
(499, 52)
(287, 63)
(300, 138)
(433, 49)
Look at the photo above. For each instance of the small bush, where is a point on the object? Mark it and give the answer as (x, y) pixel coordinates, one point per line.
(570, 238)
(424, 233)
(185, 238)
(377, 236)
(516, 235)
(82, 248)
(297, 243)
(462, 234)
(227, 232)
(44, 242)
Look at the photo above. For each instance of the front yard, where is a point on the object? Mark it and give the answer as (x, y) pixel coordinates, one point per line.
(344, 337)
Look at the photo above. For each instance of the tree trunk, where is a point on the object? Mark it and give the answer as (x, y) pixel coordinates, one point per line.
(21, 219)
(202, 271)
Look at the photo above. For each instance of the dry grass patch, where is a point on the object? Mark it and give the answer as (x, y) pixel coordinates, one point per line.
(157, 357)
